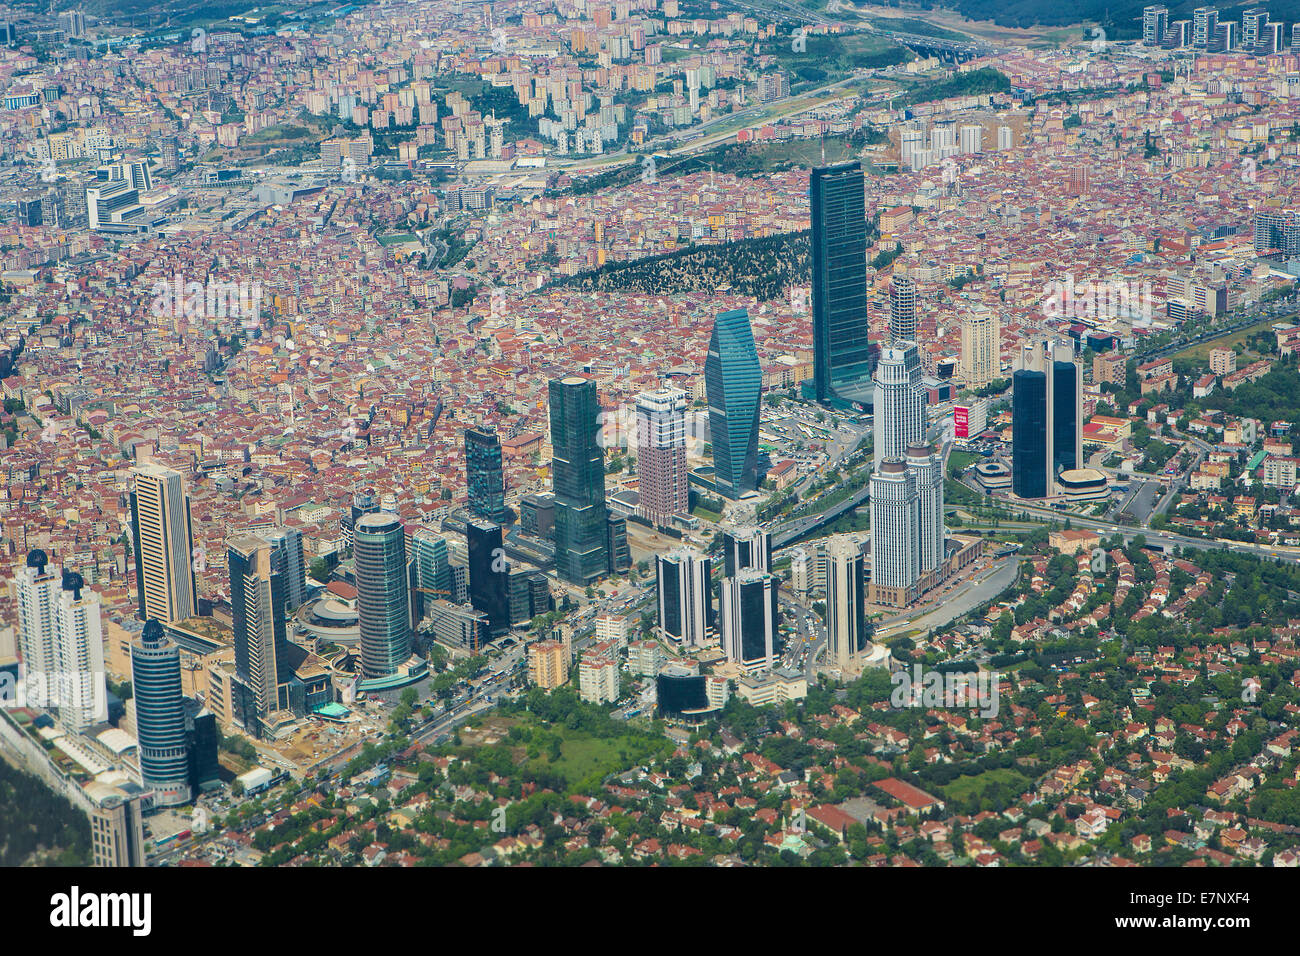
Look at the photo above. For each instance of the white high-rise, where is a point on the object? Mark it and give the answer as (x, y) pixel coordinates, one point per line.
(685, 598)
(846, 627)
(981, 347)
(899, 409)
(902, 309)
(895, 528)
(61, 643)
(662, 480)
(747, 613)
(163, 545)
(928, 468)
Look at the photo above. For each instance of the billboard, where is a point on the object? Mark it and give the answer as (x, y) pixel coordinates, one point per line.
(961, 418)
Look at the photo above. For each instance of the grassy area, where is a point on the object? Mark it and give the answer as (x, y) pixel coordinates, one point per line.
(395, 238)
(964, 787)
(959, 461)
(1201, 351)
(703, 513)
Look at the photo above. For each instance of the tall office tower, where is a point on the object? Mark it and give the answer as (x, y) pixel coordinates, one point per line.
(485, 475)
(902, 310)
(923, 461)
(116, 825)
(900, 402)
(1270, 232)
(164, 543)
(489, 574)
(841, 352)
(257, 612)
(847, 630)
(61, 643)
(1226, 37)
(662, 486)
(895, 529)
(972, 138)
(1006, 137)
(379, 549)
(747, 616)
(746, 548)
(616, 546)
(1272, 38)
(287, 543)
(685, 592)
(981, 347)
(430, 571)
(733, 382)
(169, 154)
(1254, 25)
(1155, 21)
(1046, 421)
(1205, 22)
(578, 480)
(160, 717)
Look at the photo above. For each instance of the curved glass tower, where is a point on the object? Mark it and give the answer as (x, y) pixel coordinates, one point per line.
(379, 549)
(733, 383)
(160, 716)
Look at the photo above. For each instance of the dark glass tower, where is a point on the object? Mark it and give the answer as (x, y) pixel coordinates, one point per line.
(1029, 433)
(842, 357)
(733, 382)
(484, 475)
(257, 611)
(1065, 417)
(578, 480)
(383, 610)
(489, 575)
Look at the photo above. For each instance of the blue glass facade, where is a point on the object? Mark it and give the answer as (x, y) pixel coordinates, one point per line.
(1029, 434)
(733, 383)
(842, 355)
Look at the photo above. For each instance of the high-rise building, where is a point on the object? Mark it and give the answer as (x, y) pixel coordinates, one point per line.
(160, 717)
(981, 347)
(902, 310)
(1155, 21)
(287, 543)
(257, 611)
(548, 664)
(1254, 27)
(616, 546)
(900, 418)
(847, 629)
(841, 351)
(895, 530)
(927, 465)
(1205, 23)
(685, 591)
(1046, 420)
(733, 382)
(61, 643)
(972, 138)
(430, 570)
(663, 491)
(743, 548)
(598, 679)
(164, 544)
(116, 825)
(578, 480)
(485, 475)
(489, 574)
(747, 617)
(379, 550)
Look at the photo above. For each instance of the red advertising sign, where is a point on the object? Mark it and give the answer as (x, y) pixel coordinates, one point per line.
(961, 417)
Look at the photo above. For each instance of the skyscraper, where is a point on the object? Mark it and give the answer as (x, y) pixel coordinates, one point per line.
(160, 717)
(485, 475)
(1205, 24)
(902, 310)
(578, 480)
(1046, 422)
(287, 543)
(895, 529)
(430, 571)
(60, 641)
(684, 589)
(928, 468)
(1155, 21)
(662, 487)
(257, 611)
(733, 383)
(841, 352)
(981, 346)
(900, 402)
(379, 549)
(748, 618)
(164, 544)
(847, 630)
(746, 548)
(489, 574)
(116, 825)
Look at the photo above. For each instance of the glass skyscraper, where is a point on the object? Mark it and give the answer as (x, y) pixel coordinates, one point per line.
(1029, 433)
(578, 480)
(257, 611)
(379, 549)
(160, 716)
(733, 383)
(842, 356)
(488, 574)
(485, 475)
(1046, 423)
